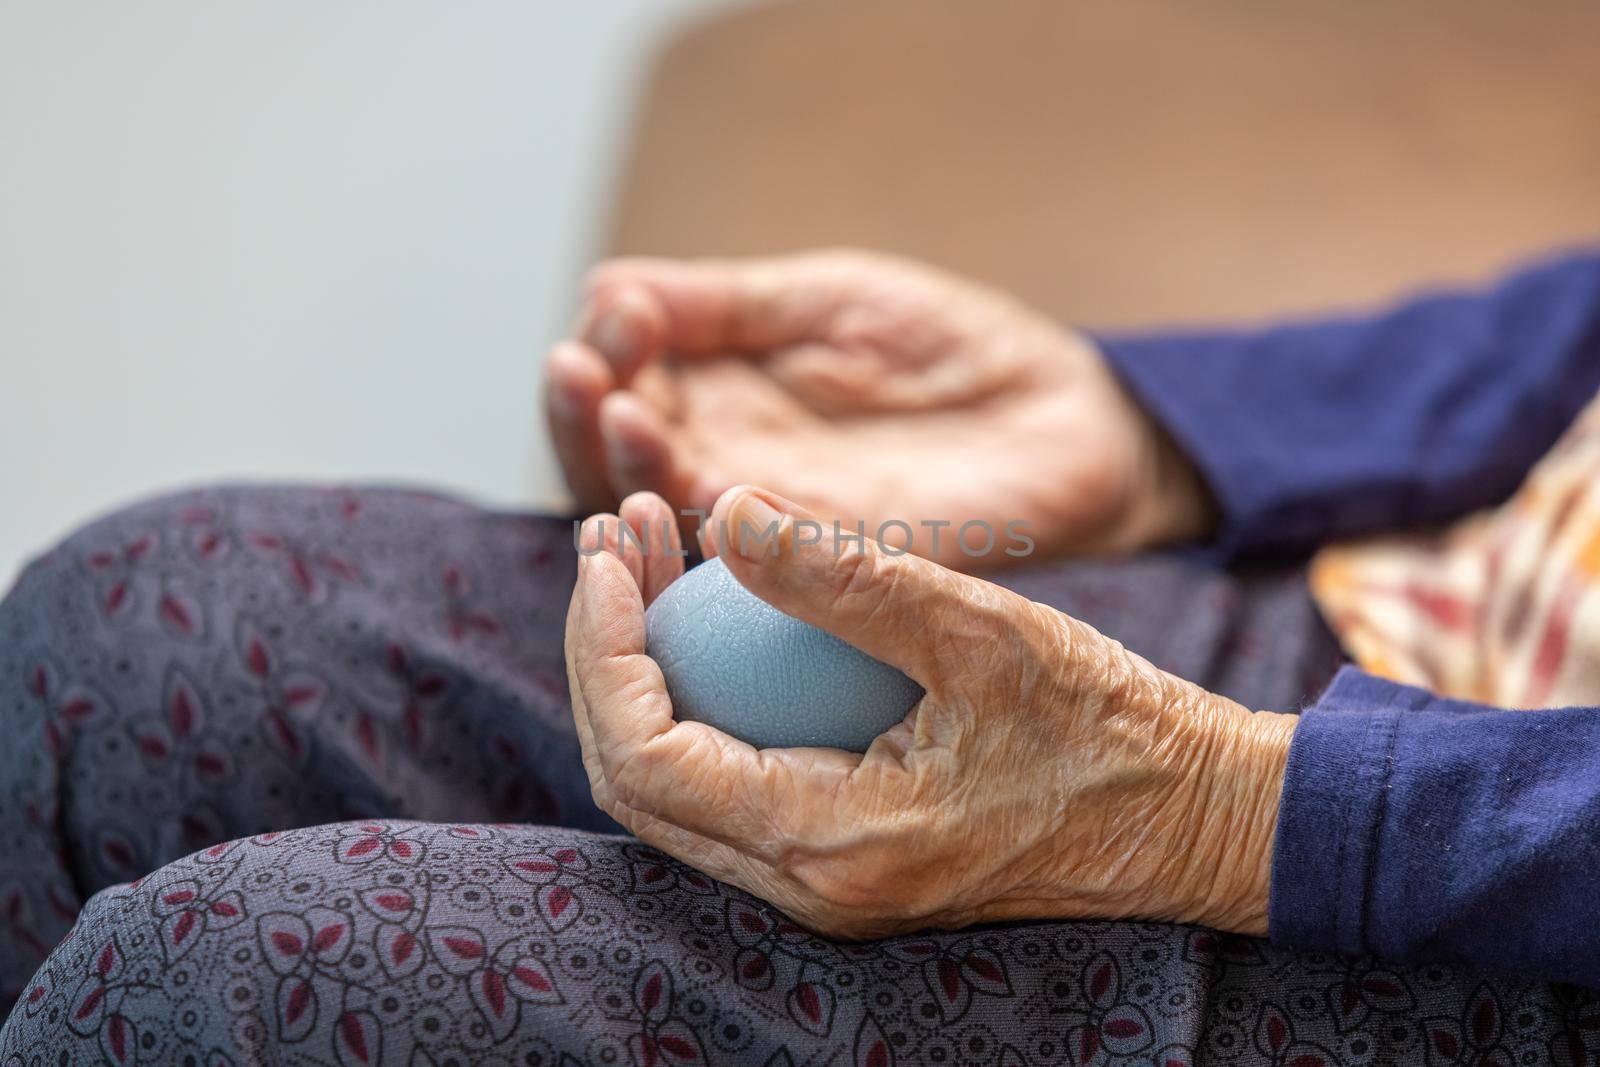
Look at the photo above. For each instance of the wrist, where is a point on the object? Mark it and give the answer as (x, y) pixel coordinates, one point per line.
(1239, 786)
(1195, 782)
(1183, 508)
(1169, 502)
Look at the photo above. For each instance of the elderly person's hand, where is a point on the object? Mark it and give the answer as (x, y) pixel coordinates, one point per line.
(1048, 772)
(866, 388)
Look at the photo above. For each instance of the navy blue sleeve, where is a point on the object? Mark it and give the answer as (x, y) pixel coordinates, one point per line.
(1318, 430)
(1424, 829)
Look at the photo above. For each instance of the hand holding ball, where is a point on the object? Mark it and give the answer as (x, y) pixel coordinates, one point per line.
(733, 661)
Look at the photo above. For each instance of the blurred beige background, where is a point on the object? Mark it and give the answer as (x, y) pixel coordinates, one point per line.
(299, 239)
(330, 240)
(1134, 162)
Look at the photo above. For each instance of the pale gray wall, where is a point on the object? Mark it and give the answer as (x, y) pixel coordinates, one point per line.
(302, 239)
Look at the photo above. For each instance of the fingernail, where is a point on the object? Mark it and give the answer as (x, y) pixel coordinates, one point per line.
(625, 451)
(594, 536)
(611, 335)
(757, 528)
(564, 400)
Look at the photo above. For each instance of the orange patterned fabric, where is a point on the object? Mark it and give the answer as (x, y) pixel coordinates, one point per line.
(1500, 608)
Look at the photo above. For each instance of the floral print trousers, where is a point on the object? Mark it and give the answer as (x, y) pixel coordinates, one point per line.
(288, 776)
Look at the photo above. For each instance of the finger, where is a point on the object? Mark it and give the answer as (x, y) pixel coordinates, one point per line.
(686, 773)
(576, 380)
(626, 324)
(713, 857)
(580, 717)
(904, 610)
(606, 533)
(642, 456)
(703, 307)
(656, 525)
(638, 449)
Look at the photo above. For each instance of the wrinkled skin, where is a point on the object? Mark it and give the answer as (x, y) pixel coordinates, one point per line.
(1048, 772)
(866, 388)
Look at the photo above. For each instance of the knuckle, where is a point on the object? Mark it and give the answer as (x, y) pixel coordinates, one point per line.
(630, 775)
(624, 789)
(866, 587)
(651, 773)
(979, 627)
(849, 571)
(863, 576)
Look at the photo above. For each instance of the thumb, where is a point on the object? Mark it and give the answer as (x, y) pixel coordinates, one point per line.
(896, 607)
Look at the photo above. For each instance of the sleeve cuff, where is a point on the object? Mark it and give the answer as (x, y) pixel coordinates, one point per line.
(1416, 827)
(1331, 813)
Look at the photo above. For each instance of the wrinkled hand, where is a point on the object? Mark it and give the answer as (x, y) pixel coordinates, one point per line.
(1048, 772)
(866, 388)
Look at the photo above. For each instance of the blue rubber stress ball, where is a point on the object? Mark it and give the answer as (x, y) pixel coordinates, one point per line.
(733, 661)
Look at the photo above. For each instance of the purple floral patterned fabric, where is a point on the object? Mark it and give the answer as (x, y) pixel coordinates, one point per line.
(296, 769)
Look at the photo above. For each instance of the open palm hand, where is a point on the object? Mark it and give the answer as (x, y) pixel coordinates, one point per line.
(868, 389)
